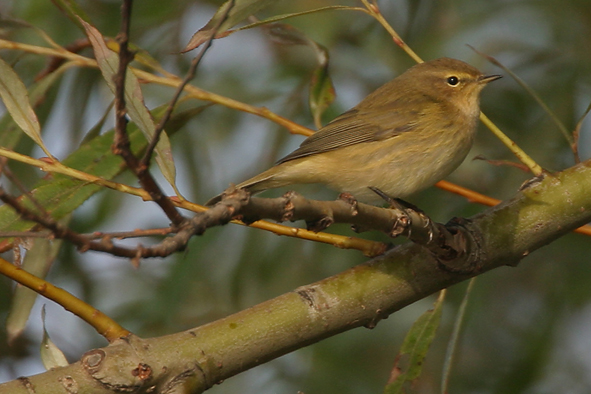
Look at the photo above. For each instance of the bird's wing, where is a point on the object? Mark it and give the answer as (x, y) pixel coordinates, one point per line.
(356, 126)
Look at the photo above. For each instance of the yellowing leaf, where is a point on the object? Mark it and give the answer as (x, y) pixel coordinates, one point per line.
(409, 362)
(108, 62)
(51, 355)
(16, 99)
(37, 262)
(239, 10)
(322, 92)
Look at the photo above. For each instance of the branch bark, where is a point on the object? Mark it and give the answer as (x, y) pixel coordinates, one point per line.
(194, 360)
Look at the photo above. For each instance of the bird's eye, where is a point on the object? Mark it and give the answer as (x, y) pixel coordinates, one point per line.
(452, 81)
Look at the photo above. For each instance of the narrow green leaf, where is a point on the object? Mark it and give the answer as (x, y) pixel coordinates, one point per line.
(277, 18)
(322, 93)
(531, 92)
(144, 57)
(108, 62)
(239, 11)
(453, 341)
(96, 129)
(11, 133)
(60, 195)
(409, 362)
(51, 355)
(37, 261)
(16, 99)
(73, 11)
(284, 34)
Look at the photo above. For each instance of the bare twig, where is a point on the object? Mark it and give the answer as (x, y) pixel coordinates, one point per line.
(56, 61)
(6, 171)
(447, 242)
(179, 90)
(235, 204)
(121, 145)
(576, 133)
(92, 236)
(84, 243)
(46, 221)
(359, 296)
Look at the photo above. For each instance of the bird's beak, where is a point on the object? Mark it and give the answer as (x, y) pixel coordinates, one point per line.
(489, 78)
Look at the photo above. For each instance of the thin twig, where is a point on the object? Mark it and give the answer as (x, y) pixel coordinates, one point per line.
(576, 133)
(92, 236)
(191, 90)
(121, 145)
(165, 248)
(518, 152)
(179, 90)
(367, 247)
(56, 61)
(15, 181)
(531, 92)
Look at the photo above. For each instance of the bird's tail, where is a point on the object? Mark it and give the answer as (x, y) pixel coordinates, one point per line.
(263, 181)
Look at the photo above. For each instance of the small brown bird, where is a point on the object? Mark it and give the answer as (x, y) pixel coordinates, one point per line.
(404, 137)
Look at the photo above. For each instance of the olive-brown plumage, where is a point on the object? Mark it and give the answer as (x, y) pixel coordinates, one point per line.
(405, 136)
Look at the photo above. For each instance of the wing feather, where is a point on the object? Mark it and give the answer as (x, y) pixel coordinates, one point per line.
(354, 127)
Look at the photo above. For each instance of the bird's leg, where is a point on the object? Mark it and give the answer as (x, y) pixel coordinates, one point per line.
(448, 243)
(404, 222)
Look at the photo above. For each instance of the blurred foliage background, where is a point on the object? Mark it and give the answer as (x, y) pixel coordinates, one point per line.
(527, 327)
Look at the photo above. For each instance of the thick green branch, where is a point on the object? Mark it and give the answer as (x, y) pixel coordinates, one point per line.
(196, 359)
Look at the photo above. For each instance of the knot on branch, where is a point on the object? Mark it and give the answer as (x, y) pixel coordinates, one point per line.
(457, 247)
